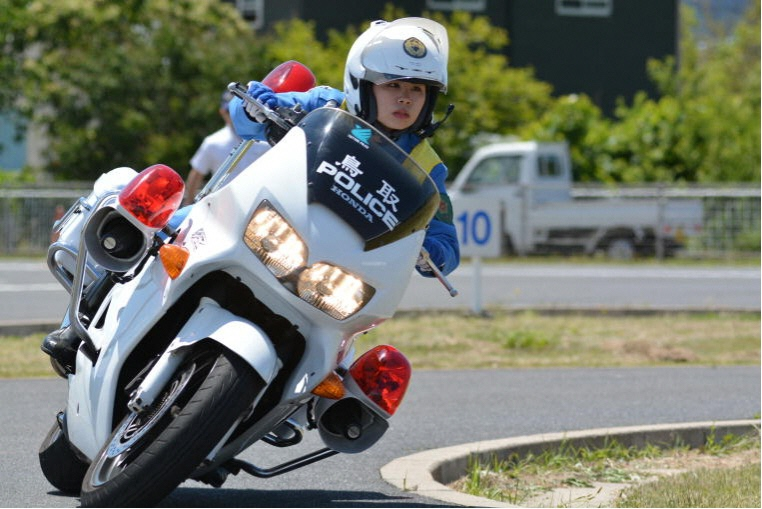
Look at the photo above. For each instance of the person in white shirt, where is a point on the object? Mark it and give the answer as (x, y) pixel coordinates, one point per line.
(215, 149)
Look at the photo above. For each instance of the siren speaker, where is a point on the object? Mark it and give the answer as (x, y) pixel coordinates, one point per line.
(349, 426)
(113, 242)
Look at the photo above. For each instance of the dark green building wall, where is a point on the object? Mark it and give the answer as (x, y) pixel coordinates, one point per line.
(604, 57)
(601, 56)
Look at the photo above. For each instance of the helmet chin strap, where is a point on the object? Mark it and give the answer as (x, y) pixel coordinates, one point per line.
(430, 129)
(392, 134)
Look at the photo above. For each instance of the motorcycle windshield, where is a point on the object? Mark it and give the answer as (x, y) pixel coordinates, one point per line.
(365, 178)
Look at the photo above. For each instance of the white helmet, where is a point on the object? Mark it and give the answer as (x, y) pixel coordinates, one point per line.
(413, 49)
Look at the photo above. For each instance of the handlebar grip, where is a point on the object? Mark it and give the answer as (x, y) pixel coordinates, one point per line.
(438, 273)
(261, 110)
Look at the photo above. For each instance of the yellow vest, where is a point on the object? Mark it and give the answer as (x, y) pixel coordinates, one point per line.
(425, 156)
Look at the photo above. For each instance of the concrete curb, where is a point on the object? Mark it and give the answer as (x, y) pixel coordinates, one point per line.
(427, 473)
(25, 328)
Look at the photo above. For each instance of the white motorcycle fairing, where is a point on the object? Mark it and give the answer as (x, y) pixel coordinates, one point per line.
(284, 264)
(215, 225)
(92, 390)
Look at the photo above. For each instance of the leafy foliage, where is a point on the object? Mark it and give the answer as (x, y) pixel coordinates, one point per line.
(137, 82)
(128, 83)
(296, 40)
(704, 128)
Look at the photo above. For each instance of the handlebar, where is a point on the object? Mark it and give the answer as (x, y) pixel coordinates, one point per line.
(240, 91)
(438, 273)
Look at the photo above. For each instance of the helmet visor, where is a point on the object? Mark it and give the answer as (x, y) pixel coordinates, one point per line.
(380, 78)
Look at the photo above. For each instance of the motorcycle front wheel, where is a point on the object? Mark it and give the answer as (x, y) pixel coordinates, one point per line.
(150, 453)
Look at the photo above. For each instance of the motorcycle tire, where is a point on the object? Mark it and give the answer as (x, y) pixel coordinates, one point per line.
(149, 454)
(60, 465)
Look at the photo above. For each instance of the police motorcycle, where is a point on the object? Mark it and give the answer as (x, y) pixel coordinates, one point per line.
(237, 325)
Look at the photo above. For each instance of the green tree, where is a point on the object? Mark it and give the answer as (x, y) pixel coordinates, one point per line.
(576, 120)
(130, 83)
(137, 82)
(296, 39)
(705, 127)
(12, 18)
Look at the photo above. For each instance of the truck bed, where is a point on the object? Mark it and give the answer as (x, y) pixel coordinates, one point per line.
(685, 214)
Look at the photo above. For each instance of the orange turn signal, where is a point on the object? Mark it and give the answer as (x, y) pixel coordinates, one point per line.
(332, 387)
(173, 258)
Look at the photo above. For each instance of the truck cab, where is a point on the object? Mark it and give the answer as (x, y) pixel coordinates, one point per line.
(532, 182)
(506, 168)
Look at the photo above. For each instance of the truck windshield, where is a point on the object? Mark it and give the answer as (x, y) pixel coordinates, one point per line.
(499, 170)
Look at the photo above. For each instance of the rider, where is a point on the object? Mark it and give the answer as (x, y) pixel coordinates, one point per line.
(393, 74)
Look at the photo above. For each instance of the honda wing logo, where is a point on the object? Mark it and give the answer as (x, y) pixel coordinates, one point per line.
(361, 134)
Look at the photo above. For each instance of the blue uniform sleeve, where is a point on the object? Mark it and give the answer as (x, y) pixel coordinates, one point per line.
(441, 240)
(310, 100)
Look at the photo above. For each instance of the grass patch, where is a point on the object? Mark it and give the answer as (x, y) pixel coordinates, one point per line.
(21, 357)
(718, 474)
(522, 340)
(520, 477)
(731, 487)
(739, 258)
(531, 339)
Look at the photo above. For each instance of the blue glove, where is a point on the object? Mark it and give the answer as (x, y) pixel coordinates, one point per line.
(263, 94)
(245, 126)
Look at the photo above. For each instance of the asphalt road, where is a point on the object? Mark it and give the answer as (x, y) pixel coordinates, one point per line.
(609, 287)
(28, 292)
(442, 408)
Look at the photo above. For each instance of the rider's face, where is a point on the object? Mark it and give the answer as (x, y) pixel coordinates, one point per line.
(399, 103)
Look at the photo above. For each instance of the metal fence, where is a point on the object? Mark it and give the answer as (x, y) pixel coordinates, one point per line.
(730, 225)
(27, 217)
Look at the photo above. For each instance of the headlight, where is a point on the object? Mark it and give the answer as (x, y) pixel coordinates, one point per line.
(274, 241)
(330, 289)
(333, 290)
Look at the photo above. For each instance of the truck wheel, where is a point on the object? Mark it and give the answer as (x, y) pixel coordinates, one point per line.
(60, 465)
(508, 245)
(621, 249)
(150, 453)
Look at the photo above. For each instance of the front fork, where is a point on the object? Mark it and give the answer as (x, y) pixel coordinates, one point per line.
(157, 378)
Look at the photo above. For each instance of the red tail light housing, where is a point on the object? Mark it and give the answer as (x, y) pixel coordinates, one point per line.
(291, 76)
(383, 374)
(153, 195)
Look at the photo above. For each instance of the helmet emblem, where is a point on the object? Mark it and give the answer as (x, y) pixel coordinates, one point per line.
(414, 47)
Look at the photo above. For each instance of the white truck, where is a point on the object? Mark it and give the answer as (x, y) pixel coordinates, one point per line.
(540, 213)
